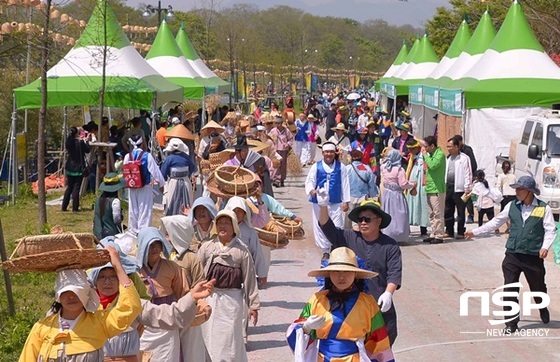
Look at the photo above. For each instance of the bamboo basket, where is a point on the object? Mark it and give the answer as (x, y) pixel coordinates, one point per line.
(235, 179)
(273, 240)
(205, 167)
(55, 252)
(294, 229)
(217, 159)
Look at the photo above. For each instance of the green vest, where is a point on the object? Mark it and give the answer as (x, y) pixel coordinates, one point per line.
(528, 238)
(103, 223)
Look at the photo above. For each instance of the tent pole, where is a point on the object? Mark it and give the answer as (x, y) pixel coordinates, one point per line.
(14, 155)
(64, 135)
(203, 114)
(463, 116)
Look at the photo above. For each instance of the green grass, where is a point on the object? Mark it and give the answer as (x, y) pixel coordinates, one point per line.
(33, 292)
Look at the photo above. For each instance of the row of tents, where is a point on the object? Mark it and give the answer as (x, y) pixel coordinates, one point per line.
(485, 86)
(171, 72)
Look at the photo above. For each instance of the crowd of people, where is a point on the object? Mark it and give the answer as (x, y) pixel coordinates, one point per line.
(373, 181)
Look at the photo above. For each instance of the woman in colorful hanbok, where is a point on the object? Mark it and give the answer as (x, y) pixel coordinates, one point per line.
(340, 323)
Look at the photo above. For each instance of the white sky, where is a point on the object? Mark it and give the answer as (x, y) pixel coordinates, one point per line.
(414, 12)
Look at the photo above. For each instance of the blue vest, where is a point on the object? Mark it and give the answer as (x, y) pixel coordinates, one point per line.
(301, 134)
(135, 153)
(335, 182)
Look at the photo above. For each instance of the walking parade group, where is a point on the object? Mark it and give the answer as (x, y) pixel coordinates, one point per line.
(187, 289)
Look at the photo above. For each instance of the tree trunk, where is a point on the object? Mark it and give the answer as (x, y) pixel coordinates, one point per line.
(42, 205)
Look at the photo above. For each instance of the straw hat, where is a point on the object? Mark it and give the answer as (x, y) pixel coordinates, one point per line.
(180, 131)
(342, 259)
(266, 117)
(112, 182)
(339, 127)
(213, 124)
(257, 145)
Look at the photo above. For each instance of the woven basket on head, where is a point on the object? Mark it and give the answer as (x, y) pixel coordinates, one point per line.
(217, 159)
(294, 229)
(272, 239)
(235, 179)
(54, 252)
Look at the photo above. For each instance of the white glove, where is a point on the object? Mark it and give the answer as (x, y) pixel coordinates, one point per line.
(385, 301)
(322, 197)
(313, 322)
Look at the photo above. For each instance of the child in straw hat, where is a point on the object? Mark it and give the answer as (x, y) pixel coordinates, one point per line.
(341, 309)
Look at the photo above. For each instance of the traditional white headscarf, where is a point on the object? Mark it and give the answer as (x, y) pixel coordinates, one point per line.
(75, 280)
(180, 231)
(175, 144)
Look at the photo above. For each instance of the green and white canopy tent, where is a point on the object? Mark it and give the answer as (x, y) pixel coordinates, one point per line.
(424, 98)
(166, 57)
(212, 83)
(387, 86)
(513, 79)
(481, 39)
(399, 60)
(130, 82)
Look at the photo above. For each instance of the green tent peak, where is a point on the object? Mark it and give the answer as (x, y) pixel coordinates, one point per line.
(460, 41)
(515, 32)
(412, 53)
(164, 44)
(482, 36)
(425, 53)
(401, 56)
(185, 45)
(183, 25)
(103, 17)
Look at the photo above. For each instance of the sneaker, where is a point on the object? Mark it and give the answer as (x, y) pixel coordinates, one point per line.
(446, 235)
(470, 220)
(545, 315)
(325, 257)
(436, 241)
(511, 328)
(428, 240)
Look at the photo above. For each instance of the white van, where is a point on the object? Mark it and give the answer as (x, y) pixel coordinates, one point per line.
(538, 155)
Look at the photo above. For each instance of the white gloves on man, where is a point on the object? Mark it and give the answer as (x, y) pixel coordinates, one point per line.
(385, 301)
(323, 197)
(313, 322)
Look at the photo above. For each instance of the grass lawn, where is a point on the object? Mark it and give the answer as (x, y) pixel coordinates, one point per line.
(33, 292)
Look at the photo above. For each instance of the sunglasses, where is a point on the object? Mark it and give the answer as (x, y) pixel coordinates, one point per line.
(367, 219)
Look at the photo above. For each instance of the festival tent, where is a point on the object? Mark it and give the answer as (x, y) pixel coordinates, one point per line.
(424, 98)
(76, 80)
(166, 57)
(449, 101)
(399, 60)
(212, 83)
(421, 66)
(513, 79)
(387, 86)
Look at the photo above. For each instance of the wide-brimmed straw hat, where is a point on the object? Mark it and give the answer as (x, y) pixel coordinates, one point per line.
(339, 127)
(112, 182)
(404, 127)
(241, 143)
(257, 145)
(180, 131)
(342, 259)
(373, 206)
(213, 124)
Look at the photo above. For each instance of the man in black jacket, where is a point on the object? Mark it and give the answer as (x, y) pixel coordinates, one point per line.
(467, 150)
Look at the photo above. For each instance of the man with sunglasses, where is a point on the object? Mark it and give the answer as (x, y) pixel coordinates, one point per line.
(380, 252)
(331, 177)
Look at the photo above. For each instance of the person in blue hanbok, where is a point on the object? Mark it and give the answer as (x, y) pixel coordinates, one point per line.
(419, 214)
(177, 170)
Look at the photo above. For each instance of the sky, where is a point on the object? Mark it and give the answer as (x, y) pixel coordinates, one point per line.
(396, 12)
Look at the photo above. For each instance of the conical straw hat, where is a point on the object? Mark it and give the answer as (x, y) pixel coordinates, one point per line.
(180, 131)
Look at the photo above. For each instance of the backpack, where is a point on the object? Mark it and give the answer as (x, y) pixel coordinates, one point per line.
(132, 172)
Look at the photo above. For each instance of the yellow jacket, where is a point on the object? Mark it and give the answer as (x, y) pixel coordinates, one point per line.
(89, 334)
